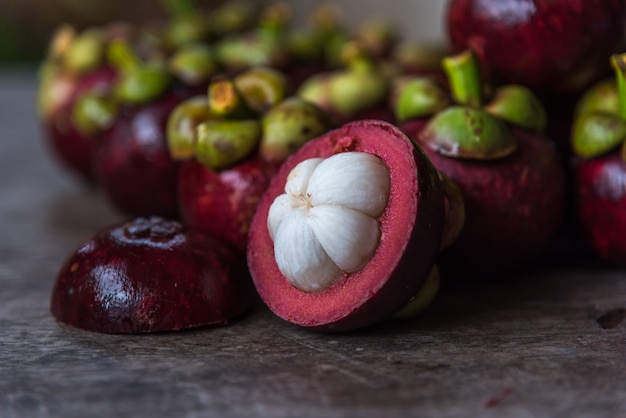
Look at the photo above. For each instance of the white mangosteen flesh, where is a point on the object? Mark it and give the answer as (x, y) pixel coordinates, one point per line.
(326, 223)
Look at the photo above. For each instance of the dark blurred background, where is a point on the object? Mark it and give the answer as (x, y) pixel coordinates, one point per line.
(26, 25)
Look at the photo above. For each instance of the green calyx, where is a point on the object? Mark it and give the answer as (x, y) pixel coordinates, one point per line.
(86, 52)
(226, 101)
(600, 125)
(186, 29)
(420, 97)
(231, 17)
(222, 143)
(595, 134)
(517, 105)
(288, 125)
(600, 98)
(254, 49)
(465, 132)
(93, 113)
(469, 128)
(139, 82)
(361, 86)
(262, 87)
(194, 64)
(355, 91)
(182, 126)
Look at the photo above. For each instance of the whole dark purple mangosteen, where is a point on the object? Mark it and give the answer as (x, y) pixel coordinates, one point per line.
(75, 65)
(508, 173)
(556, 46)
(599, 143)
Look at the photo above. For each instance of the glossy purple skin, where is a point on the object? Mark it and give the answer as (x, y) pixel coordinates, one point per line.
(554, 46)
(132, 163)
(601, 205)
(222, 203)
(70, 147)
(150, 275)
(513, 205)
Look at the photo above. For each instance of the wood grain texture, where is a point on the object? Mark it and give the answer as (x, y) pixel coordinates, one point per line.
(532, 344)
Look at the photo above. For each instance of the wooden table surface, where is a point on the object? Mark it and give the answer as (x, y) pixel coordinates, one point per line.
(545, 342)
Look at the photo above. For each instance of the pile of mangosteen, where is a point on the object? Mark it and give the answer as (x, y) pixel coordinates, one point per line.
(337, 174)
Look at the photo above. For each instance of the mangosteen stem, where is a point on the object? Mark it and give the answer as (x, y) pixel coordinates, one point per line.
(463, 73)
(618, 62)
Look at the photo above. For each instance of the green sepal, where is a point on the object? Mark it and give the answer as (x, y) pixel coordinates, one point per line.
(138, 82)
(262, 87)
(182, 125)
(186, 29)
(420, 97)
(194, 64)
(227, 101)
(86, 52)
(315, 90)
(288, 125)
(465, 132)
(222, 143)
(231, 17)
(595, 134)
(518, 106)
(241, 51)
(143, 85)
(602, 97)
(353, 91)
(93, 112)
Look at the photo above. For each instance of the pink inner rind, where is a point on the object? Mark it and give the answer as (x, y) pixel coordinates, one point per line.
(411, 231)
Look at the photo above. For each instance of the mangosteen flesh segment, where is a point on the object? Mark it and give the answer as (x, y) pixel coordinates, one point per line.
(365, 186)
(150, 275)
(326, 223)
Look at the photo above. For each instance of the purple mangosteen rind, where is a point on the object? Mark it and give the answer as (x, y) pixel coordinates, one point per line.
(150, 275)
(517, 45)
(411, 231)
(223, 202)
(513, 205)
(131, 160)
(600, 200)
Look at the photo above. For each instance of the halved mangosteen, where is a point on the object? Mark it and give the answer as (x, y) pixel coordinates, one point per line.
(150, 275)
(349, 228)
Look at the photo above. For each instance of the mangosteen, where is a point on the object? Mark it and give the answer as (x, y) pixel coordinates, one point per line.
(131, 159)
(230, 145)
(599, 143)
(509, 174)
(75, 64)
(150, 275)
(349, 229)
(550, 46)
